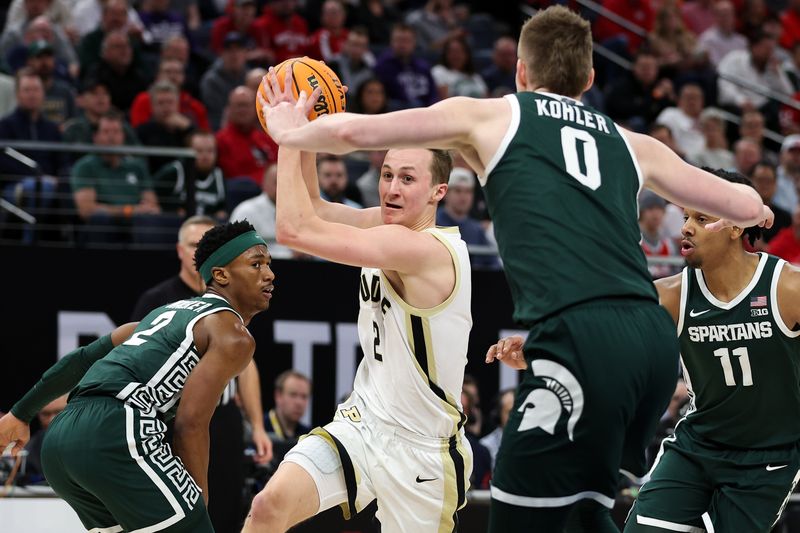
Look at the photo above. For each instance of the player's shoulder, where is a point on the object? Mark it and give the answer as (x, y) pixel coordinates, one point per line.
(669, 289)
(789, 281)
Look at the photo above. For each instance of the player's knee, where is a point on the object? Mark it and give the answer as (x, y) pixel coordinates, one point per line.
(269, 507)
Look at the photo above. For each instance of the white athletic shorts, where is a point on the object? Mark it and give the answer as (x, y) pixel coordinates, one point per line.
(419, 482)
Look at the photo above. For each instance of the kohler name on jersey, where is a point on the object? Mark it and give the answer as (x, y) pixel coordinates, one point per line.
(731, 332)
(565, 111)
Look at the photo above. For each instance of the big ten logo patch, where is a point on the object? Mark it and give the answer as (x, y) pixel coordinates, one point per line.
(370, 292)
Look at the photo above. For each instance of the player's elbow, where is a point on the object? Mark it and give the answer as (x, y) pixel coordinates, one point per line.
(286, 233)
(349, 136)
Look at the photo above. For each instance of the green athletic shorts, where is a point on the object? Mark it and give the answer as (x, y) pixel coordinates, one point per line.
(110, 463)
(599, 377)
(695, 482)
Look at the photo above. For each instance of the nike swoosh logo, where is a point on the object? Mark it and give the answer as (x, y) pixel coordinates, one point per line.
(423, 480)
(694, 313)
(770, 468)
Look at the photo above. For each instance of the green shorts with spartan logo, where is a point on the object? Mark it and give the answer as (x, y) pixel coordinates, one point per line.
(110, 463)
(599, 377)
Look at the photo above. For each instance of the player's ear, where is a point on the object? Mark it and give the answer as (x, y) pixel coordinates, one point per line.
(441, 190)
(736, 232)
(522, 76)
(590, 81)
(220, 275)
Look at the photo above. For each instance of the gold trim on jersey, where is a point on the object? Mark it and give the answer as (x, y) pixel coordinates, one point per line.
(351, 477)
(456, 483)
(431, 310)
(429, 373)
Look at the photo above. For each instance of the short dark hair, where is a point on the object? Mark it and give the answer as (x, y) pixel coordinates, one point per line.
(216, 237)
(113, 115)
(753, 233)
(25, 72)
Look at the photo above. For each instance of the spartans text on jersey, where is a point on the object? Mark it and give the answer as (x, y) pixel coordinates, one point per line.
(730, 332)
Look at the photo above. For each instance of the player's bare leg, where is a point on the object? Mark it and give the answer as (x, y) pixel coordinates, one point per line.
(289, 498)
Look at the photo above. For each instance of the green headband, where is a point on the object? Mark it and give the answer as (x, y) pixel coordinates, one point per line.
(228, 252)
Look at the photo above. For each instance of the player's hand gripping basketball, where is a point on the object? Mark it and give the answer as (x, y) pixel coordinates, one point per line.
(13, 431)
(281, 111)
(508, 350)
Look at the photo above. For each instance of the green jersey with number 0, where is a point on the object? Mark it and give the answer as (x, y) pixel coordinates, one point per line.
(561, 192)
(741, 362)
(148, 371)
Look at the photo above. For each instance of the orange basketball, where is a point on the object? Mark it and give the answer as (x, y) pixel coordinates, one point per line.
(308, 75)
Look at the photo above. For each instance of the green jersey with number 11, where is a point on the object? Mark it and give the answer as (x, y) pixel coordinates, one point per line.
(741, 362)
(561, 192)
(148, 371)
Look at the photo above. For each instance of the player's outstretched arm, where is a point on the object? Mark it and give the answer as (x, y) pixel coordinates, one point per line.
(331, 211)
(388, 246)
(690, 187)
(56, 381)
(227, 348)
(250, 393)
(669, 294)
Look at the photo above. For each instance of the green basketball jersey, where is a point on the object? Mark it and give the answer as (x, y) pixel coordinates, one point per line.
(741, 362)
(561, 192)
(149, 370)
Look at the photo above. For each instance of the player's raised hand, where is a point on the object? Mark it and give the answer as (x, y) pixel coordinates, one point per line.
(282, 112)
(263, 446)
(766, 220)
(508, 350)
(13, 431)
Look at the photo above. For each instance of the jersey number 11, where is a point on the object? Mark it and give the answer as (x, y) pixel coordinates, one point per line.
(727, 368)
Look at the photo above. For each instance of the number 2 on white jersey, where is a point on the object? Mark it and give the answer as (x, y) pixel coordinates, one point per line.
(580, 147)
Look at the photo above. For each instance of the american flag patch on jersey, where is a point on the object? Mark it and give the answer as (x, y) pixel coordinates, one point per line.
(758, 301)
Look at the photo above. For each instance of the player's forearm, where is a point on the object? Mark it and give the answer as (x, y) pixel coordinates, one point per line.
(61, 378)
(294, 210)
(250, 389)
(191, 444)
(326, 134)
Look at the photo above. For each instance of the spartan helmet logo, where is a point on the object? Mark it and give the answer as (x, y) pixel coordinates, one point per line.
(543, 407)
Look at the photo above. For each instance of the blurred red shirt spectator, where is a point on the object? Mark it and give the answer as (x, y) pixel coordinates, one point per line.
(786, 244)
(286, 30)
(640, 12)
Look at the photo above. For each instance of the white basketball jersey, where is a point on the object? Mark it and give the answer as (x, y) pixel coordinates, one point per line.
(413, 366)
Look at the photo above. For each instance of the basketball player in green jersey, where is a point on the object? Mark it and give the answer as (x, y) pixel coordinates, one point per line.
(735, 458)
(561, 182)
(105, 453)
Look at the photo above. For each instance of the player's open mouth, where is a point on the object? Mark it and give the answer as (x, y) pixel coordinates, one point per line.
(267, 292)
(392, 206)
(686, 248)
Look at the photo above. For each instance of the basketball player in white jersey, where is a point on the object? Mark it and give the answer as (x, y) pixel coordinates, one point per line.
(399, 437)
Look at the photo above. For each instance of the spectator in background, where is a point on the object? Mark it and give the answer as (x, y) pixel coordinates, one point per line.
(33, 465)
(171, 182)
(292, 393)
(636, 98)
(765, 181)
(455, 74)
(242, 20)
(227, 73)
(21, 12)
(684, 120)
(721, 38)
(651, 218)
(715, 152)
(286, 30)
(455, 209)
(354, 64)
(407, 78)
(14, 47)
(499, 76)
(160, 23)
(59, 96)
(194, 64)
(504, 403)
(370, 98)
(786, 196)
(114, 18)
(167, 126)
(671, 42)
(747, 153)
(87, 15)
(112, 192)
(118, 71)
(790, 25)
(95, 101)
(253, 78)
(751, 126)
(8, 100)
(751, 17)
(757, 65)
(786, 243)
(698, 15)
(367, 183)
(328, 41)
(378, 17)
(435, 23)
(171, 70)
(243, 146)
(664, 134)
(474, 424)
(609, 33)
(481, 458)
(332, 175)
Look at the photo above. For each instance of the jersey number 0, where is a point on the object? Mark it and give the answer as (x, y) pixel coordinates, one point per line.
(580, 156)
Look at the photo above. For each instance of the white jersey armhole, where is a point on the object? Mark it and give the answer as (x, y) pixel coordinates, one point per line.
(684, 298)
(513, 126)
(773, 296)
